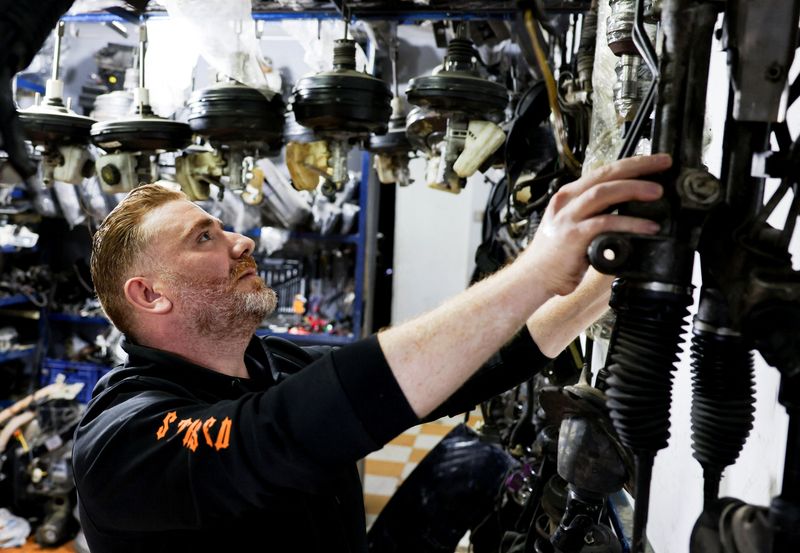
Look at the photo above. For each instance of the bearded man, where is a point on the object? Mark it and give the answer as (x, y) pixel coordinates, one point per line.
(211, 439)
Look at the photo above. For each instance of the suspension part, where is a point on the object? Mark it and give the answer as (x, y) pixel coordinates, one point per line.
(651, 318)
(723, 401)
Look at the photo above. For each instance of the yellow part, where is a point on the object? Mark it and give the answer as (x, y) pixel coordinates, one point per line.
(18, 435)
(307, 163)
(194, 171)
(570, 160)
(299, 304)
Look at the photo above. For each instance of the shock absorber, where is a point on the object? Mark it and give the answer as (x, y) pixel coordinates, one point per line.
(722, 392)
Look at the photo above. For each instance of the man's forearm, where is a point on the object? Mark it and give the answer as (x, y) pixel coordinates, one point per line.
(433, 354)
(556, 323)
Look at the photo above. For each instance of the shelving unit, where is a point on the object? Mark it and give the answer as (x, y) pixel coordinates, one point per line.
(77, 319)
(21, 313)
(364, 242)
(21, 352)
(14, 300)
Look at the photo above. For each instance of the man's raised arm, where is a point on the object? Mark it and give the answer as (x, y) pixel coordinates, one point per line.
(432, 355)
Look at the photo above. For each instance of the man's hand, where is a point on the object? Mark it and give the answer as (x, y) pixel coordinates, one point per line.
(574, 217)
(432, 355)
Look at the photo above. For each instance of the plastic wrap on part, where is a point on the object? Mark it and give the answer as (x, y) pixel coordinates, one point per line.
(605, 137)
(14, 530)
(94, 201)
(318, 51)
(225, 35)
(272, 239)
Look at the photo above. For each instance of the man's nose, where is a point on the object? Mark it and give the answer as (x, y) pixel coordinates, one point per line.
(242, 246)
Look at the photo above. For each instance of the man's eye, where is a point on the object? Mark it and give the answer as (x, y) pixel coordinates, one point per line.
(204, 236)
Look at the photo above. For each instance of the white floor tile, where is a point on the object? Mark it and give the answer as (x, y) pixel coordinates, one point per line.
(427, 441)
(380, 485)
(391, 453)
(408, 469)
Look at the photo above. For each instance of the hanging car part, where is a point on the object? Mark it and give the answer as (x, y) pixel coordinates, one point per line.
(723, 399)
(652, 297)
(232, 112)
(472, 106)
(393, 148)
(425, 129)
(342, 106)
(751, 292)
(241, 125)
(132, 144)
(307, 155)
(58, 134)
(591, 460)
(633, 76)
(23, 29)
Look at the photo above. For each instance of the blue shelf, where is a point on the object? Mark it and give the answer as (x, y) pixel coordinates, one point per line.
(16, 249)
(348, 238)
(70, 318)
(30, 85)
(27, 351)
(293, 235)
(309, 339)
(103, 17)
(14, 300)
(400, 17)
(409, 17)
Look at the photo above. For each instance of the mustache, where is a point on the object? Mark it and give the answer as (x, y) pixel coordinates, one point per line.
(245, 264)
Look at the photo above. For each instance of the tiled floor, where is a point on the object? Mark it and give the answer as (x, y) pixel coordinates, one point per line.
(385, 470)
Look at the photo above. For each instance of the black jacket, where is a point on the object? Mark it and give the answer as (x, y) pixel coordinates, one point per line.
(171, 456)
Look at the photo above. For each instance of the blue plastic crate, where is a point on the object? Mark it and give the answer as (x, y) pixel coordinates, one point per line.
(73, 371)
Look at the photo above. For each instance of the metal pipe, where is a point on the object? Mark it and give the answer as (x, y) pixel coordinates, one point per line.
(142, 52)
(57, 49)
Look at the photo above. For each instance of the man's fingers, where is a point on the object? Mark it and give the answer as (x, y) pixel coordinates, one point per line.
(604, 195)
(616, 223)
(628, 168)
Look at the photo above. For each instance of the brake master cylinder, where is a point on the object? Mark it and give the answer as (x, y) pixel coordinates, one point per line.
(472, 106)
(240, 125)
(342, 106)
(133, 144)
(58, 134)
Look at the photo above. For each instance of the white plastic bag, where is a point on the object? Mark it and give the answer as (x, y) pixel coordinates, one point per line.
(224, 33)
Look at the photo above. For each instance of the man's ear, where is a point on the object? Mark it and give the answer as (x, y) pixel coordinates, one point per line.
(140, 293)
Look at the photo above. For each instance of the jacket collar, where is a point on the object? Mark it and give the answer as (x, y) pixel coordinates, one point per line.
(257, 361)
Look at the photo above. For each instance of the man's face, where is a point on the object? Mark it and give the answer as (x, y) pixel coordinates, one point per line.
(208, 273)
